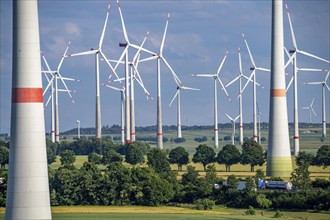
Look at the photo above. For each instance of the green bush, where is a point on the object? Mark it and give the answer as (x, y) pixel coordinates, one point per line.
(204, 204)
(250, 211)
(278, 214)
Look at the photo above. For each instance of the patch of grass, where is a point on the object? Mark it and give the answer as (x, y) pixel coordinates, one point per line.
(167, 212)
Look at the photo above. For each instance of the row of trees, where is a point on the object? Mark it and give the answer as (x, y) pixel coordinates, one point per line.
(157, 184)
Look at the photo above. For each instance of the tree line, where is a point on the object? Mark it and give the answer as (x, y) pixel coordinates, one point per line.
(157, 184)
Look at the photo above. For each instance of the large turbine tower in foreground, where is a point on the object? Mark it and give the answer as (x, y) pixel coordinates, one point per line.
(279, 162)
(28, 190)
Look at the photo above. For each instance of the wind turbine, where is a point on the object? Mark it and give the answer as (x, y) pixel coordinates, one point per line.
(216, 78)
(122, 108)
(160, 57)
(134, 75)
(98, 52)
(293, 59)
(127, 45)
(178, 96)
(254, 68)
(310, 108)
(232, 120)
(239, 77)
(55, 76)
(324, 120)
(259, 128)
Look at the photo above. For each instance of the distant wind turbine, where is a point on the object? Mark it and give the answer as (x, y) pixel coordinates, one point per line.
(239, 77)
(293, 60)
(97, 52)
(216, 78)
(55, 76)
(254, 68)
(177, 95)
(324, 86)
(233, 120)
(160, 57)
(310, 108)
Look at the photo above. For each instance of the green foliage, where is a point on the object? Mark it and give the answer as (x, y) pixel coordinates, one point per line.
(321, 183)
(204, 155)
(211, 174)
(304, 157)
(232, 182)
(134, 154)
(278, 214)
(322, 157)
(250, 211)
(94, 158)
(111, 156)
(179, 156)
(157, 160)
(252, 154)
(200, 139)
(3, 187)
(259, 175)
(263, 202)
(179, 140)
(228, 155)
(4, 156)
(67, 157)
(300, 177)
(204, 204)
(51, 157)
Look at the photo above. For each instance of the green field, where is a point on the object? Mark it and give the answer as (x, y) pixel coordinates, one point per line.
(167, 212)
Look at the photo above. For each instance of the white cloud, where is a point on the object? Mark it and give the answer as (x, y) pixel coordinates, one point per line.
(72, 30)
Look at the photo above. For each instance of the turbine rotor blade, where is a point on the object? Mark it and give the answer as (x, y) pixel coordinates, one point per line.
(313, 56)
(122, 23)
(247, 46)
(222, 62)
(164, 35)
(291, 27)
(175, 95)
(104, 27)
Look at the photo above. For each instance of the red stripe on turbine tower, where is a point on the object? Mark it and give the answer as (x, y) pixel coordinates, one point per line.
(28, 95)
(295, 137)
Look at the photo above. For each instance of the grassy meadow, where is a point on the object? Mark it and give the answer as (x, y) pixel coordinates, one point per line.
(167, 212)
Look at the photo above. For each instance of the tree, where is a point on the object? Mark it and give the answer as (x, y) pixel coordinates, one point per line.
(179, 156)
(204, 155)
(94, 158)
(51, 157)
(252, 154)
(304, 157)
(157, 160)
(322, 157)
(232, 182)
(4, 156)
(259, 175)
(263, 202)
(67, 157)
(229, 155)
(111, 156)
(300, 177)
(134, 154)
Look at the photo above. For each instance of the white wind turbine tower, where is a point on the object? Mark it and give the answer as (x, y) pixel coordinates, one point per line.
(216, 78)
(122, 109)
(127, 45)
(324, 120)
(55, 76)
(232, 120)
(97, 52)
(160, 57)
(293, 59)
(239, 77)
(254, 68)
(311, 110)
(178, 96)
(259, 128)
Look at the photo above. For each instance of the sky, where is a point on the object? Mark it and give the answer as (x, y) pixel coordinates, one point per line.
(198, 35)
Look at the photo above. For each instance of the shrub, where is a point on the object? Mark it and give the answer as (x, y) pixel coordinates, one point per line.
(278, 214)
(204, 204)
(250, 211)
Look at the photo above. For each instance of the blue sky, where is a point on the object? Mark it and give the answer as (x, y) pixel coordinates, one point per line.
(199, 33)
